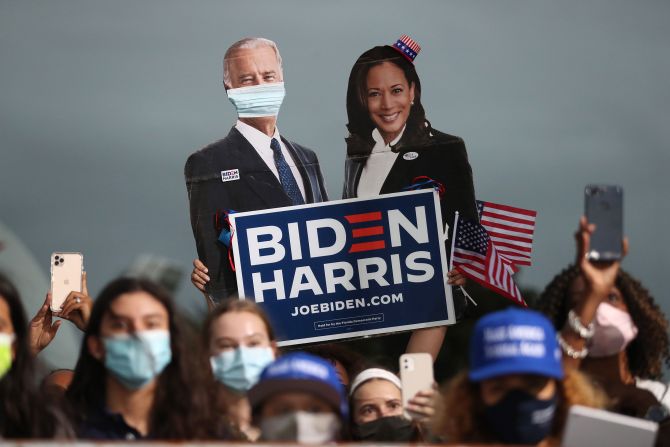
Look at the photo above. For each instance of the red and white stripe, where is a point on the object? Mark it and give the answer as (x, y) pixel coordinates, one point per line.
(511, 230)
(410, 43)
(492, 271)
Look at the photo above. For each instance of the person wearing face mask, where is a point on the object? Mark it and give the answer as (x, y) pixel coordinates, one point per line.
(24, 411)
(516, 390)
(611, 328)
(299, 398)
(241, 343)
(138, 376)
(377, 413)
(252, 168)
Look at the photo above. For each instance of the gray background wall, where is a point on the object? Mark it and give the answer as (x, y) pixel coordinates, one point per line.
(102, 101)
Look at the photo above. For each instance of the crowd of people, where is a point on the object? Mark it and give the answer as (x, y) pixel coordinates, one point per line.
(144, 374)
(597, 339)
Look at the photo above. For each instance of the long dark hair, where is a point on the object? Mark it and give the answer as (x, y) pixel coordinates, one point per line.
(183, 406)
(360, 142)
(24, 413)
(649, 350)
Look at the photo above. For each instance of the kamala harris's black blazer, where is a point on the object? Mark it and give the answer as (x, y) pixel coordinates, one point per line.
(257, 188)
(443, 159)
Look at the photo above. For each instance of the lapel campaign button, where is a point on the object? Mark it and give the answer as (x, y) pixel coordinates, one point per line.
(410, 156)
(230, 175)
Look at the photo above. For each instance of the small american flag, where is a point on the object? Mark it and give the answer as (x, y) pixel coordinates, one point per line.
(510, 229)
(476, 256)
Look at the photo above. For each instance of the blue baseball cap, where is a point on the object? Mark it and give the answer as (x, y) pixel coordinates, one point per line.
(299, 371)
(514, 341)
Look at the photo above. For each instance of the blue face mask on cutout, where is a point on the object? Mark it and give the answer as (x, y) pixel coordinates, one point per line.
(241, 368)
(257, 100)
(135, 359)
(520, 418)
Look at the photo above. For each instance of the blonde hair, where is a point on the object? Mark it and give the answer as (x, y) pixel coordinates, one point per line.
(460, 417)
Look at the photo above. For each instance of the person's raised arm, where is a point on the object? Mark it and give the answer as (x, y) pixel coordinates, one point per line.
(599, 280)
(42, 329)
(430, 339)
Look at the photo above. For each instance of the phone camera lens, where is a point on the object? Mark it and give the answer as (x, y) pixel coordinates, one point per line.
(57, 258)
(57, 263)
(62, 261)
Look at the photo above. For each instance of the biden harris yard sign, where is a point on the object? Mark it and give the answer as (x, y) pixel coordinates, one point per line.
(345, 268)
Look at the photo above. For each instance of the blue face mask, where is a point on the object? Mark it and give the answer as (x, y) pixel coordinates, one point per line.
(257, 100)
(240, 368)
(520, 418)
(135, 359)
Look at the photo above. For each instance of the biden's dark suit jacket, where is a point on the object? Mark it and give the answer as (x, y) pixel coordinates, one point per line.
(256, 189)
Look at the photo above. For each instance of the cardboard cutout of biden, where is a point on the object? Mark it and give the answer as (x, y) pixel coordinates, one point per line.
(346, 268)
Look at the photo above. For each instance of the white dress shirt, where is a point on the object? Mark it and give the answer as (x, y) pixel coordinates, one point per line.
(660, 390)
(377, 166)
(261, 143)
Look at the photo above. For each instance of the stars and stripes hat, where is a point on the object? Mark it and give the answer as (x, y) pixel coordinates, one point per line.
(406, 46)
(514, 341)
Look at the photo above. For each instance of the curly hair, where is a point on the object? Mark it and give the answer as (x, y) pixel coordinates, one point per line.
(647, 353)
(460, 417)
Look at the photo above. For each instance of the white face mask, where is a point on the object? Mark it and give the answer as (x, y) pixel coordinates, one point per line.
(614, 330)
(301, 427)
(257, 100)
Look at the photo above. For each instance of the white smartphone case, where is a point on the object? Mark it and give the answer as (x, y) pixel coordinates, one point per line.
(416, 374)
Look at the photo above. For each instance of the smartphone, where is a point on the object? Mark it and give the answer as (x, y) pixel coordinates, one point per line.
(603, 206)
(416, 374)
(66, 276)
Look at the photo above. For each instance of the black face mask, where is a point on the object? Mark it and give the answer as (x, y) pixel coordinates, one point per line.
(520, 418)
(388, 429)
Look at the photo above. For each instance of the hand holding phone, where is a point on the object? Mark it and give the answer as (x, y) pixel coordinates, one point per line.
(77, 306)
(600, 277)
